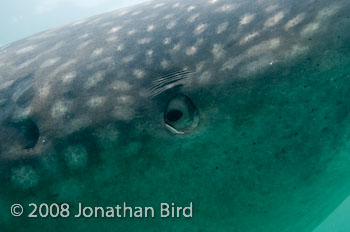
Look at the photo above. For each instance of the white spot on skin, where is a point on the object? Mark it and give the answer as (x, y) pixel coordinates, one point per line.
(93, 80)
(191, 51)
(171, 25)
(24, 177)
(191, 8)
(26, 112)
(139, 73)
(131, 32)
(97, 52)
(322, 15)
(120, 47)
(164, 64)
(124, 12)
(50, 62)
(123, 113)
(62, 67)
(25, 50)
(125, 100)
(274, 19)
(59, 109)
(121, 86)
(6, 85)
(176, 47)
(254, 66)
(193, 18)
(246, 19)
(218, 52)
(176, 5)
(84, 45)
(76, 124)
(67, 78)
(264, 47)
(79, 22)
(76, 156)
(144, 41)
(295, 21)
(168, 16)
(128, 59)
(149, 53)
(85, 36)
(296, 51)
(106, 24)
(327, 12)
(167, 41)
(227, 8)
(158, 5)
(231, 63)
(213, 1)
(204, 77)
(248, 38)
(222, 27)
(108, 60)
(96, 102)
(150, 28)
(136, 13)
(200, 29)
(310, 29)
(95, 21)
(115, 29)
(112, 39)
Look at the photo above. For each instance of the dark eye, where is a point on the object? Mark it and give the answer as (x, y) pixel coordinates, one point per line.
(181, 115)
(174, 115)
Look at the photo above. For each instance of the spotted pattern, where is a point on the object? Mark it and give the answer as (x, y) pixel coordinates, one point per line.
(49, 62)
(274, 19)
(109, 58)
(25, 50)
(200, 29)
(24, 177)
(59, 109)
(76, 157)
(246, 19)
(96, 102)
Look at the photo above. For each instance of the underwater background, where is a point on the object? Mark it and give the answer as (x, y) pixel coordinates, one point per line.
(19, 19)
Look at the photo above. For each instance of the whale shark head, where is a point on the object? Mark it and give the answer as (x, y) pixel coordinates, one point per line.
(240, 107)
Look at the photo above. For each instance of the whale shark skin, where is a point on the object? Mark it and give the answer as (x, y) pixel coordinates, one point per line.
(240, 107)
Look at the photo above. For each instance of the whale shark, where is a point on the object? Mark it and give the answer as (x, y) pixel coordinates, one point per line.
(239, 109)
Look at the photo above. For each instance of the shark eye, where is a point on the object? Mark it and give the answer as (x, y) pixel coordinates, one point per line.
(181, 115)
(174, 115)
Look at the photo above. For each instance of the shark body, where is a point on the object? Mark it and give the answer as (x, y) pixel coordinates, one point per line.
(240, 107)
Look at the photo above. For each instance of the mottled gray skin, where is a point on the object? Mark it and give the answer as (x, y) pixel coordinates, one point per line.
(83, 117)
